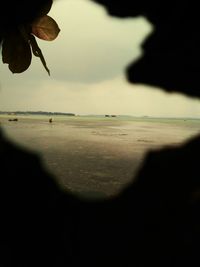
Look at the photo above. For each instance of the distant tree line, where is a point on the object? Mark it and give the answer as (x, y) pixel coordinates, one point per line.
(36, 113)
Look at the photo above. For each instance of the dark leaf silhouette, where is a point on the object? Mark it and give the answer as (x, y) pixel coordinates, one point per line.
(37, 52)
(16, 52)
(16, 47)
(45, 28)
(45, 9)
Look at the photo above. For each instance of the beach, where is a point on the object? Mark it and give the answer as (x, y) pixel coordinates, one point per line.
(96, 156)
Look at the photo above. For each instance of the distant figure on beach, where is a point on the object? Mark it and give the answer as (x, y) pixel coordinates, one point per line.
(50, 120)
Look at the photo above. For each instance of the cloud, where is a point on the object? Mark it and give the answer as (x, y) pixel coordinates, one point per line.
(115, 96)
(87, 64)
(92, 46)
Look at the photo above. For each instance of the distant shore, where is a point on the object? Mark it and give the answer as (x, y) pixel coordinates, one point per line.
(57, 113)
(36, 113)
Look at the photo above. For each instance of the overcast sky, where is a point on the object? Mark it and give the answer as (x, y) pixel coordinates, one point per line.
(87, 63)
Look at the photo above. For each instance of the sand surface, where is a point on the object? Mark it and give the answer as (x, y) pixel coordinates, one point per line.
(96, 156)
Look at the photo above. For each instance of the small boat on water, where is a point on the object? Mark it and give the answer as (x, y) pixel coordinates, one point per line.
(15, 119)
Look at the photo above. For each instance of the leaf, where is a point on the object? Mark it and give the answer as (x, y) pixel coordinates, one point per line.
(45, 28)
(45, 8)
(25, 32)
(16, 52)
(37, 52)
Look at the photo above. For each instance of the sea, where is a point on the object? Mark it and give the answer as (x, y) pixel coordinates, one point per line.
(95, 156)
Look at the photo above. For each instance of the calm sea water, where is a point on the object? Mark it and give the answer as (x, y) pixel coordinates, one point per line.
(96, 156)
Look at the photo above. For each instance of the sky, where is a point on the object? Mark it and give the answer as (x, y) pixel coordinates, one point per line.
(87, 63)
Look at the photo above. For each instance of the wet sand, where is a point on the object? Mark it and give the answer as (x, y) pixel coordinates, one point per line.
(96, 156)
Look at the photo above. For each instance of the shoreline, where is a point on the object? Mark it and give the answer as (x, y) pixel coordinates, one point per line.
(95, 156)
